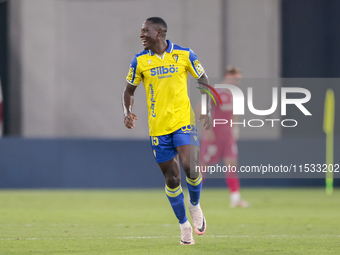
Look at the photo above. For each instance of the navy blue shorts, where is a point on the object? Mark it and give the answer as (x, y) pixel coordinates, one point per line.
(164, 146)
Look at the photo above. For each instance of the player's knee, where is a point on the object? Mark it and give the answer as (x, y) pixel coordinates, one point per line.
(172, 181)
(190, 172)
(230, 162)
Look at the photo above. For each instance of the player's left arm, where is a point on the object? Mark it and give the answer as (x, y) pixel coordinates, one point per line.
(207, 119)
(197, 71)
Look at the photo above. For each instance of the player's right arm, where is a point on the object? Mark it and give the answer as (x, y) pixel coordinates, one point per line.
(127, 101)
(132, 80)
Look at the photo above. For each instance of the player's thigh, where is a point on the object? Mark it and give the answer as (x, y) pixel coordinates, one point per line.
(163, 148)
(186, 142)
(167, 158)
(188, 154)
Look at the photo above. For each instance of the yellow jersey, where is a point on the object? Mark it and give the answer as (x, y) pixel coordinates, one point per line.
(165, 81)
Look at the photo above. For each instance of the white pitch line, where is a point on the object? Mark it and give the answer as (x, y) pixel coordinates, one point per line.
(158, 237)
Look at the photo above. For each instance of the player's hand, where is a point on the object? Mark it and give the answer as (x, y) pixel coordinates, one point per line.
(206, 120)
(129, 120)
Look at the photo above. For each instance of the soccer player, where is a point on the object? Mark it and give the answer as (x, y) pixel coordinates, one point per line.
(220, 142)
(163, 67)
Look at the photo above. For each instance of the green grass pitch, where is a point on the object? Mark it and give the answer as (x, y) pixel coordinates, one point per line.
(280, 221)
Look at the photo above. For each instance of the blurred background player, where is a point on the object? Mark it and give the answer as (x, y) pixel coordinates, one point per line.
(220, 142)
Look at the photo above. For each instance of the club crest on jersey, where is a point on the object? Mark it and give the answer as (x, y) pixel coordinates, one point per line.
(149, 61)
(175, 57)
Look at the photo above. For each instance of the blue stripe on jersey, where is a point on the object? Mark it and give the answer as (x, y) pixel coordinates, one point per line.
(170, 47)
(192, 58)
(134, 66)
(177, 47)
(142, 53)
(134, 63)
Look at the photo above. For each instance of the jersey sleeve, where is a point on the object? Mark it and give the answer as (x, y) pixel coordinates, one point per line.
(134, 75)
(195, 68)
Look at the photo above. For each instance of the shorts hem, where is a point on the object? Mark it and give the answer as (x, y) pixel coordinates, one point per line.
(167, 158)
(186, 143)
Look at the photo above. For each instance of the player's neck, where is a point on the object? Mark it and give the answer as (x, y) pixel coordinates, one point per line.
(160, 48)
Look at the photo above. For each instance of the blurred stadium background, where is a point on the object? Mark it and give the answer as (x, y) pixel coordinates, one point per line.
(63, 64)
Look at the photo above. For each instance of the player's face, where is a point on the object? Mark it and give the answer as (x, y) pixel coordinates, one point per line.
(149, 35)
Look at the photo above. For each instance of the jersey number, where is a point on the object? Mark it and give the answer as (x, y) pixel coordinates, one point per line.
(154, 141)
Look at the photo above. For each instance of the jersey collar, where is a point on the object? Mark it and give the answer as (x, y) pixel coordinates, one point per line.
(168, 50)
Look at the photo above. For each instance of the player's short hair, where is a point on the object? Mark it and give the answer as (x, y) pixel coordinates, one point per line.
(159, 21)
(232, 70)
